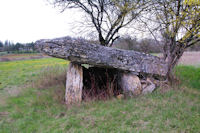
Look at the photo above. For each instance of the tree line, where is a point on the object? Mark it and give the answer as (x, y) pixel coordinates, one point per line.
(11, 47)
(146, 45)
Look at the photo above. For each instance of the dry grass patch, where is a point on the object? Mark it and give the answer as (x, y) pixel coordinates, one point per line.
(14, 57)
(52, 78)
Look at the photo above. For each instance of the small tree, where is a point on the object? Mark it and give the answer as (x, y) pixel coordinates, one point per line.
(106, 16)
(179, 22)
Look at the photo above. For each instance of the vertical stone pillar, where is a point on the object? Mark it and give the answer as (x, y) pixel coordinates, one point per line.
(130, 83)
(74, 84)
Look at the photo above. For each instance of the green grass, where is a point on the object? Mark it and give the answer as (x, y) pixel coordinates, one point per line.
(189, 75)
(20, 72)
(39, 110)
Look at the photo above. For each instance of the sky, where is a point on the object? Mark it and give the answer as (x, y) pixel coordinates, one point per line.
(30, 20)
(26, 21)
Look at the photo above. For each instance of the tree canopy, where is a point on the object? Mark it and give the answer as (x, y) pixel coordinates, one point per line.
(106, 16)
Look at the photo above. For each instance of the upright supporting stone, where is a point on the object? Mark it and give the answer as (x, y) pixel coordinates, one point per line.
(130, 83)
(74, 84)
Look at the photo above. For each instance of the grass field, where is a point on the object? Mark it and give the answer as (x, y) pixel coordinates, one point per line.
(25, 107)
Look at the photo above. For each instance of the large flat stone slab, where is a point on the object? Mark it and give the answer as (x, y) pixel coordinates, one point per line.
(80, 51)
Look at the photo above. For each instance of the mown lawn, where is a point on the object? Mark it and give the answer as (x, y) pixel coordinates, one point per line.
(25, 108)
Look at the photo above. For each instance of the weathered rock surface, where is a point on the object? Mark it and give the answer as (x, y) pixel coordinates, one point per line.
(130, 84)
(149, 87)
(74, 84)
(80, 51)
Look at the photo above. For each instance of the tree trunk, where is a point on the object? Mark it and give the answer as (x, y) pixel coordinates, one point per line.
(74, 84)
(173, 56)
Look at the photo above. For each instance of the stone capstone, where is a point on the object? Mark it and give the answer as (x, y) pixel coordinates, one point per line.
(84, 52)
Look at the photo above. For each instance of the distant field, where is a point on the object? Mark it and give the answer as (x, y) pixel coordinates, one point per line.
(190, 58)
(13, 57)
(27, 108)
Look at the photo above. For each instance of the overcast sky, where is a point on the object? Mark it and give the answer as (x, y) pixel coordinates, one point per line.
(30, 20)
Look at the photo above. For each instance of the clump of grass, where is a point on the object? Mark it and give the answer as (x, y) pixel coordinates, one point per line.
(52, 78)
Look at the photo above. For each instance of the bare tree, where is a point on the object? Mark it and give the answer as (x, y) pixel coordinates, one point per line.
(106, 16)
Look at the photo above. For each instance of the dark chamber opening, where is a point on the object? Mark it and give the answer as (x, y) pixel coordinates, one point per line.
(100, 83)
